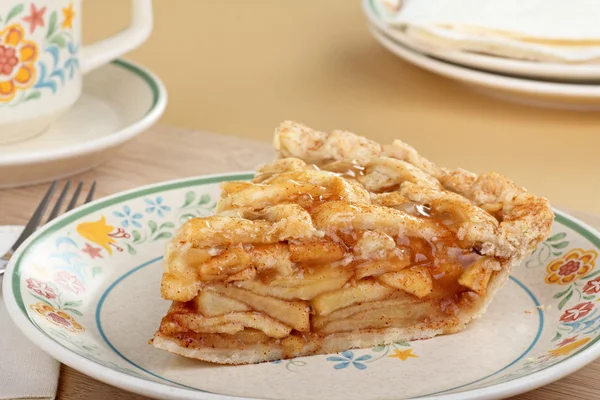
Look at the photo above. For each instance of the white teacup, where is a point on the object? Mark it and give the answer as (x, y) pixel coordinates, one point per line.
(42, 60)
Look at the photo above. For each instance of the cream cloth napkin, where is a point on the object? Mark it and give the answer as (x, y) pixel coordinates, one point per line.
(543, 30)
(26, 372)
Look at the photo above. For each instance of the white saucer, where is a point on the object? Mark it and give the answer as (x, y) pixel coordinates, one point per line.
(568, 96)
(119, 101)
(507, 66)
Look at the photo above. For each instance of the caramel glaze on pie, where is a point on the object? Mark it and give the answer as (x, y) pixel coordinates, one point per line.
(342, 243)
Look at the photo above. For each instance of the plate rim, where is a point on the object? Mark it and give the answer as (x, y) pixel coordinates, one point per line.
(483, 78)
(528, 69)
(155, 389)
(129, 131)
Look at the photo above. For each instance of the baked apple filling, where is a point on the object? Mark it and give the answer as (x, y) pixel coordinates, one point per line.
(341, 244)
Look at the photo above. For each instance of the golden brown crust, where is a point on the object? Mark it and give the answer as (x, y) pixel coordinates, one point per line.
(526, 220)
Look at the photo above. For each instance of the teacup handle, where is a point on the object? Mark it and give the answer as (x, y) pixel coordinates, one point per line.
(104, 51)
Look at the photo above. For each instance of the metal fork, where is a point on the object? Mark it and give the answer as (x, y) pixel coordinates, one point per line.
(38, 215)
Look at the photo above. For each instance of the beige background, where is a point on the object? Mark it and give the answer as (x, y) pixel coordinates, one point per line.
(240, 67)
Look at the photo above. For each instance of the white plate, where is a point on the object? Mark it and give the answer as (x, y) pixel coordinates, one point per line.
(507, 66)
(119, 101)
(86, 289)
(569, 96)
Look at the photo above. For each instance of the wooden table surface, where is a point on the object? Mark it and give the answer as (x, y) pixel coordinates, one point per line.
(169, 153)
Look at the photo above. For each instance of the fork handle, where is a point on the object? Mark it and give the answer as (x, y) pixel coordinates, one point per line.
(4, 261)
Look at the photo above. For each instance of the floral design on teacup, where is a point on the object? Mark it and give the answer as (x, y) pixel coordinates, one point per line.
(34, 65)
(17, 62)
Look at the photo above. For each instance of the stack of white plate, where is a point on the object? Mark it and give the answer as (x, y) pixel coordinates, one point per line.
(565, 85)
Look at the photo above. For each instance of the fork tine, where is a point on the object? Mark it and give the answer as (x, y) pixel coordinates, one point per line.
(73, 201)
(59, 202)
(36, 218)
(90, 195)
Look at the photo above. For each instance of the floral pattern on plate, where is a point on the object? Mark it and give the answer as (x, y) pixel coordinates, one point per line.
(63, 274)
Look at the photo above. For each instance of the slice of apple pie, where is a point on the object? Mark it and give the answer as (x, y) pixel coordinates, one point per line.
(342, 243)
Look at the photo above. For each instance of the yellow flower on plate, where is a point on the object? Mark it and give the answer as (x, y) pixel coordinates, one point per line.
(575, 264)
(403, 354)
(97, 232)
(565, 350)
(17, 62)
(57, 317)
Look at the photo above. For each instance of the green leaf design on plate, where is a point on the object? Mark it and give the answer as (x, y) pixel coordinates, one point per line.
(593, 274)
(55, 287)
(166, 225)
(153, 227)
(185, 217)
(294, 363)
(565, 300)
(52, 24)
(557, 237)
(131, 250)
(136, 236)
(558, 336)
(588, 297)
(77, 303)
(378, 348)
(76, 312)
(16, 10)
(560, 245)
(163, 235)
(542, 254)
(33, 95)
(42, 299)
(204, 199)
(96, 271)
(561, 294)
(403, 344)
(189, 199)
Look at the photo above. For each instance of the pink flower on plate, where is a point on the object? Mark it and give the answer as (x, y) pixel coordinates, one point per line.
(566, 341)
(592, 287)
(69, 282)
(579, 311)
(41, 288)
